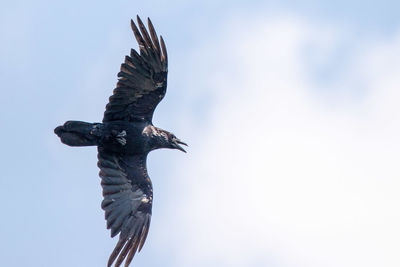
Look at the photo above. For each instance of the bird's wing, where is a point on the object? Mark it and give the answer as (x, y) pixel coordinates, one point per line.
(127, 203)
(142, 80)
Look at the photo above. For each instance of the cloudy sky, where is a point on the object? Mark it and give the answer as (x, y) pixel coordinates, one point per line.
(290, 109)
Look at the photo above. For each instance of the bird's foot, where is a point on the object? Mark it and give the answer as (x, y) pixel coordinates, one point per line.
(121, 138)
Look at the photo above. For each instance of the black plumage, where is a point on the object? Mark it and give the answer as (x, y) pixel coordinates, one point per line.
(124, 138)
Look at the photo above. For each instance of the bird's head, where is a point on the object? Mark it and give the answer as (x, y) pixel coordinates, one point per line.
(171, 141)
(175, 142)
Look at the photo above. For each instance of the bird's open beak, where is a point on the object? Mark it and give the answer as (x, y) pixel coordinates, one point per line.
(177, 144)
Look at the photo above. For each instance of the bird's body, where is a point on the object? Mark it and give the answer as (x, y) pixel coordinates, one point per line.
(131, 138)
(124, 138)
(127, 137)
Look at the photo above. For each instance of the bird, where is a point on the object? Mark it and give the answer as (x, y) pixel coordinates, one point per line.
(124, 138)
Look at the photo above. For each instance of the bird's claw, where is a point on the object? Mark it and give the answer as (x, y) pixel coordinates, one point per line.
(120, 137)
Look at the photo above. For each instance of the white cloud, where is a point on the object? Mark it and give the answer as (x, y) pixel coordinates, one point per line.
(280, 175)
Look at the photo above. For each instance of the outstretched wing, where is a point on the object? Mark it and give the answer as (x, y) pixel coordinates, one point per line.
(127, 203)
(142, 80)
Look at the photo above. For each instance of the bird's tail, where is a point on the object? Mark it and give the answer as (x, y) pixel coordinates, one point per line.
(79, 133)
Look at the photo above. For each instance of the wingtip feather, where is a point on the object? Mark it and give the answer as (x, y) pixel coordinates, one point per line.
(132, 252)
(164, 49)
(154, 37)
(133, 25)
(138, 19)
(145, 34)
(115, 252)
(144, 233)
(138, 36)
(125, 251)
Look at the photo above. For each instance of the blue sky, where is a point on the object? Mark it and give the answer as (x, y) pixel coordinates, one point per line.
(313, 81)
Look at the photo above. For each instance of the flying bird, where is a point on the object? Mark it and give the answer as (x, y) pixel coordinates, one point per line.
(124, 138)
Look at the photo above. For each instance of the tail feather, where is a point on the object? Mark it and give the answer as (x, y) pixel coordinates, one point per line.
(79, 133)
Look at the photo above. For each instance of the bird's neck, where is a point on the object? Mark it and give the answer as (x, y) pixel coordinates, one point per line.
(157, 138)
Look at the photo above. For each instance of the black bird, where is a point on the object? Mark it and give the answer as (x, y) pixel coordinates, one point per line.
(124, 138)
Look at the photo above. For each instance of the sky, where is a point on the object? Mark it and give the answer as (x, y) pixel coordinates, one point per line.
(290, 110)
